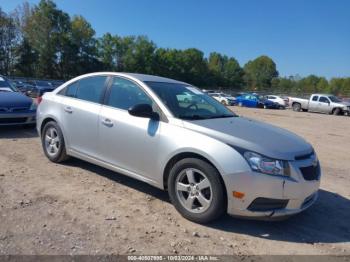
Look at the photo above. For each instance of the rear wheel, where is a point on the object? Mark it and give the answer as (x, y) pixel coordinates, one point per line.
(196, 191)
(53, 142)
(296, 107)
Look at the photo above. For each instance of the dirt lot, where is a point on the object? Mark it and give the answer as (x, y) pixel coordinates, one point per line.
(78, 208)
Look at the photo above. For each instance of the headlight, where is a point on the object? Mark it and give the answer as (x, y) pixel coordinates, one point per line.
(33, 106)
(266, 165)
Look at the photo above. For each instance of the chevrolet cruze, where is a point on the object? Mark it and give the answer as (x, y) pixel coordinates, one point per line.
(209, 159)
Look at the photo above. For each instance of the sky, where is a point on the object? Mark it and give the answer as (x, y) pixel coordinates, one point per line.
(302, 36)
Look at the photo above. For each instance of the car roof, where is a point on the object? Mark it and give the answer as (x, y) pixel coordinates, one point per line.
(135, 76)
(152, 78)
(322, 94)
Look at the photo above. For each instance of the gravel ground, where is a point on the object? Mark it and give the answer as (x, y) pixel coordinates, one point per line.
(79, 208)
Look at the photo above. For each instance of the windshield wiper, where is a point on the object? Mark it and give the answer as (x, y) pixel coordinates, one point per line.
(198, 117)
(192, 117)
(222, 116)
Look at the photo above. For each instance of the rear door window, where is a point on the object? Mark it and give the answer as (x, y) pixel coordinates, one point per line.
(91, 89)
(71, 90)
(314, 98)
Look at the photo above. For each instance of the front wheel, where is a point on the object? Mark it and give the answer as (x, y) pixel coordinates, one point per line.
(336, 111)
(196, 190)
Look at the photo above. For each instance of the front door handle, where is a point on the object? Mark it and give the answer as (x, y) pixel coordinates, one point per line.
(107, 122)
(68, 109)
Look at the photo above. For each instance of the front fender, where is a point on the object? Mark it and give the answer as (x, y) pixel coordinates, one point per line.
(178, 140)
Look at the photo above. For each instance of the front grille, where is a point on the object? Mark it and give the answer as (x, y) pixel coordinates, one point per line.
(267, 204)
(311, 173)
(19, 109)
(13, 109)
(13, 120)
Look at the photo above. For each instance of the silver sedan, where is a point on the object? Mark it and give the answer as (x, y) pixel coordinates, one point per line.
(209, 159)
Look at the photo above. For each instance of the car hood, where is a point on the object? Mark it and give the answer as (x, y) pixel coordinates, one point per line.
(343, 103)
(14, 99)
(253, 135)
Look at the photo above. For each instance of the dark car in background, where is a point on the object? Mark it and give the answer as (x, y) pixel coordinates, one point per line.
(40, 87)
(15, 107)
(23, 87)
(253, 100)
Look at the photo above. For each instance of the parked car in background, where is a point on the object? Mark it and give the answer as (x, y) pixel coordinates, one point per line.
(56, 83)
(207, 91)
(252, 100)
(321, 103)
(40, 87)
(187, 97)
(209, 160)
(277, 99)
(15, 107)
(224, 99)
(286, 99)
(24, 87)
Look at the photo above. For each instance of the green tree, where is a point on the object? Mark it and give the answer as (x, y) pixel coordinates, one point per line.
(138, 56)
(216, 64)
(46, 31)
(26, 59)
(309, 84)
(80, 49)
(8, 40)
(340, 86)
(260, 72)
(233, 74)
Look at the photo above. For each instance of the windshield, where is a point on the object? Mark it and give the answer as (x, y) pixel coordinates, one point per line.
(334, 99)
(5, 86)
(188, 102)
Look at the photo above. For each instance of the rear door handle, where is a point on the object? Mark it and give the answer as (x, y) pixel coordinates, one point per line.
(107, 122)
(68, 109)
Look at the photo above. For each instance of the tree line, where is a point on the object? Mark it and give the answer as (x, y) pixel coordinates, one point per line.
(43, 41)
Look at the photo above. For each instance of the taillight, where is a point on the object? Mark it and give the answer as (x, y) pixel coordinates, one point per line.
(39, 99)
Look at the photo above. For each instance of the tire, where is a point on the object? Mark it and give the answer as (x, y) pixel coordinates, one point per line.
(336, 111)
(53, 142)
(181, 191)
(296, 107)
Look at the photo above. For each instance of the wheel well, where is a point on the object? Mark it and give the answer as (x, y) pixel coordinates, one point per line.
(44, 123)
(336, 109)
(179, 157)
(296, 103)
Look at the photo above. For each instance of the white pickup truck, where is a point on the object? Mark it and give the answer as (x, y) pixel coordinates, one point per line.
(321, 103)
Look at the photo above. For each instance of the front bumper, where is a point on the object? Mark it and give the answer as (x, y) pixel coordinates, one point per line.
(298, 193)
(11, 119)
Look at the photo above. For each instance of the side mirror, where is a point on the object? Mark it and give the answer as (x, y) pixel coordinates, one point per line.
(143, 110)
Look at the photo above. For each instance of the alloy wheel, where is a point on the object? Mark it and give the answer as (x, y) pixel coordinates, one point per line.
(194, 190)
(52, 141)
